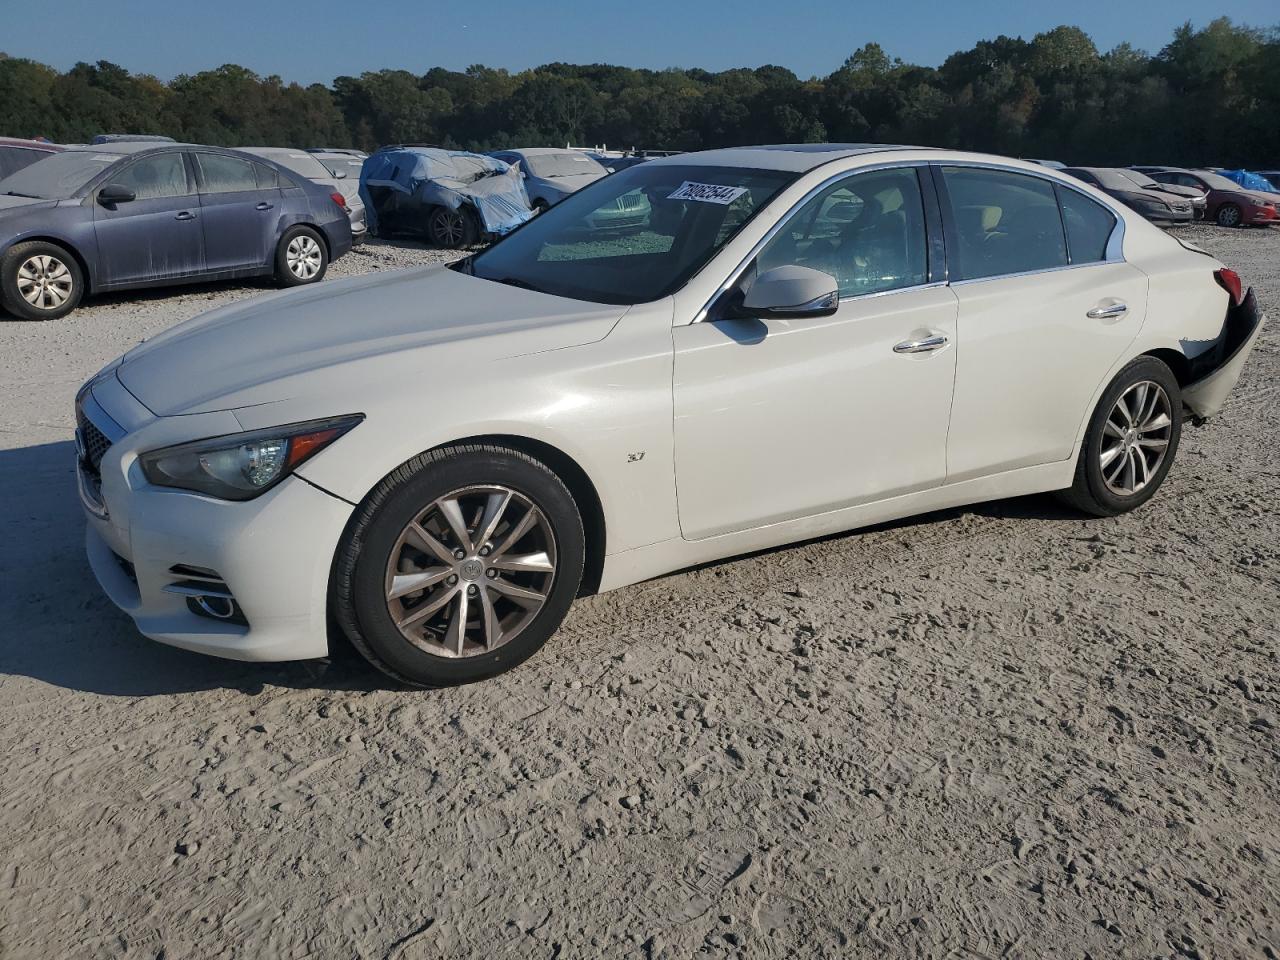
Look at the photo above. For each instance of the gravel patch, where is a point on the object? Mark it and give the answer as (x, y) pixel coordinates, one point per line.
(994, 731)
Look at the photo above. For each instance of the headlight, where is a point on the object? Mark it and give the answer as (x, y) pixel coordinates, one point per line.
(240, 466)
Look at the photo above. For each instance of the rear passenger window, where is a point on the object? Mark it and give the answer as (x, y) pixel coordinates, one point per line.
(226, 174)
(1005, 223)
(867, 231)
(1089, 226)
(268, 177)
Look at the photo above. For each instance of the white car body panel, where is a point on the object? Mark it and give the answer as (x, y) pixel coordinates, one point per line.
(701, 440)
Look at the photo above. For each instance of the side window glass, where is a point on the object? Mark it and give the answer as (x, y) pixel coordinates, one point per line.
(1089, 226)
(1005, 223)
(268, 177)
(866, 231)
(164, 175)
(226, 174)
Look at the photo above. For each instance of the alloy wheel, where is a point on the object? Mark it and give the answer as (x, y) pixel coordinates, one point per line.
(1135, 438)
(304, 257)
(1228, 216)
(45, 282)
(448, 227)
(470, 572)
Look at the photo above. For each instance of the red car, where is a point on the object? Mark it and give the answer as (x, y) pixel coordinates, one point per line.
(1230, 204)
(16, 154)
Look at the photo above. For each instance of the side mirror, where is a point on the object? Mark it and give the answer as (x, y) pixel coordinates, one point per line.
(792, 292)
(340, 175)
(114, 193)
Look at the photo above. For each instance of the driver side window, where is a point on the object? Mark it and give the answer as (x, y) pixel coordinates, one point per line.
(163, 175)
(867, 231)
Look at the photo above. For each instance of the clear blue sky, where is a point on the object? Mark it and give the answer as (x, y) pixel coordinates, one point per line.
(316, 40)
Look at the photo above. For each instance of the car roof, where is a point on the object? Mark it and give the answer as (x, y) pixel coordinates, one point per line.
(792, 157)
(543, 151)
(31, 144)
(126, 147)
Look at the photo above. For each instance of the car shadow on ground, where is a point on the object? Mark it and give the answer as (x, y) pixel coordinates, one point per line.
(56, 626)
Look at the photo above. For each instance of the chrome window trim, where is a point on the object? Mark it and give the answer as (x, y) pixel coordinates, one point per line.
(736, 273)
(1114, 252)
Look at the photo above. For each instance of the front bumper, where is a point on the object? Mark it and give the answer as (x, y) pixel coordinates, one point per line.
(1260, 216)
(1215, 371)
(272, 555)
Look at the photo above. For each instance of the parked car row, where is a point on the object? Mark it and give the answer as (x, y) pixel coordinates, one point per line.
(128, 214)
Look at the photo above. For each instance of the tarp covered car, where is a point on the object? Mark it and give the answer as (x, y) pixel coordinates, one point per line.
(1249, 180)
(452, 196)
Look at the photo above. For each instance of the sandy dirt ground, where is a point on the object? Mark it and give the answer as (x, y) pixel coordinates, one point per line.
(1003, 731)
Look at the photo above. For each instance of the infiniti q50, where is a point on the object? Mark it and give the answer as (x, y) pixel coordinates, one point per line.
(795, 340)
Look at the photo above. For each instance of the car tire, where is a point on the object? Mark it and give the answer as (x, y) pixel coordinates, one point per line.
(1229, 215)
(1130, 446)
(451, 229)
(540, 207)
(40, 281)
(301, 257)
(384, 555)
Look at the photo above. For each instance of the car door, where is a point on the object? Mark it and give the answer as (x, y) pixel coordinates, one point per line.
(1047, 306)
(156, 236)
(240, 207)
(781, 419)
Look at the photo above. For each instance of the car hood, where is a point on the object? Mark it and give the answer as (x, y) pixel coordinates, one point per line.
(1178, 190)
(287, 344)
(569, 185)
(22, 204)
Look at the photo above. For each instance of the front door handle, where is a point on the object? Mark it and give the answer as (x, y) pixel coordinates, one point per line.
(1109, 312)
(185, 215)
(927, 345)
(264, 206)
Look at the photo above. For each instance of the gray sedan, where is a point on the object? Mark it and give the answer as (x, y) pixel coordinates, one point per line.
(124, 215)
(339, 178)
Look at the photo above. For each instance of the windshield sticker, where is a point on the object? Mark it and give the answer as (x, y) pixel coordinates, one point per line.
(707, 193)
(105, 157)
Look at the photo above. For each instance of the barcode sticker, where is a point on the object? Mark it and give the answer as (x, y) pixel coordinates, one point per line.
(707, 192)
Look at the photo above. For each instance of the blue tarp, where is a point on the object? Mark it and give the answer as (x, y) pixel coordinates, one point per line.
(1250, 181)
(449, 178)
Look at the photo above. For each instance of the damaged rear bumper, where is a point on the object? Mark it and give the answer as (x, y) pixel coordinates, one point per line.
(1215, 371)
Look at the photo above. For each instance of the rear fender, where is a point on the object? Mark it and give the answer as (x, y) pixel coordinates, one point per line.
(1214, 372)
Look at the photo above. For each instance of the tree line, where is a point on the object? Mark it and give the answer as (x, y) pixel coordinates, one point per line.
(1210, 96)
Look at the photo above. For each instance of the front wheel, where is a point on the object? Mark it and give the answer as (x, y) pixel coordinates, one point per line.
(460, 565)
(40, 281)
(452, 228)
(301, 257)
(1229, 215)
(1131, 440)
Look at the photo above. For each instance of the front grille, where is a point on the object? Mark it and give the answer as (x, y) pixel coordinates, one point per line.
(93, 443)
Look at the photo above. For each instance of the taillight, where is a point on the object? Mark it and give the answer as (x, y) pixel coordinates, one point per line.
(1229, 281)
(340, 200)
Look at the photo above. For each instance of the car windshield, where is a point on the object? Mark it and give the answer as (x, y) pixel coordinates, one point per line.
(348, 165)
(1218, 182)
(563, 165)
(1112, 179)
(633, 237)
(303, 164)
(58, 176)
(1141, 179)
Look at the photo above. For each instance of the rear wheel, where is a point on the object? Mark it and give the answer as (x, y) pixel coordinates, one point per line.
(460, 565)
(1229, 215)
(40, 281)
(452, 228)
(301, 257)
(1131, 440)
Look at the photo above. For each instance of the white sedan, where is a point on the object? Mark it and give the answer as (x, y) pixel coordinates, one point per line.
(796, 340)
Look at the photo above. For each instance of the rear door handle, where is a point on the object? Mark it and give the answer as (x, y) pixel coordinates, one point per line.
(1109, 312)
(265, 206)
(926, 345)
(185, 215)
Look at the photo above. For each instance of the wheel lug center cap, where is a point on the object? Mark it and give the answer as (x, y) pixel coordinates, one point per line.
(471, 569)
